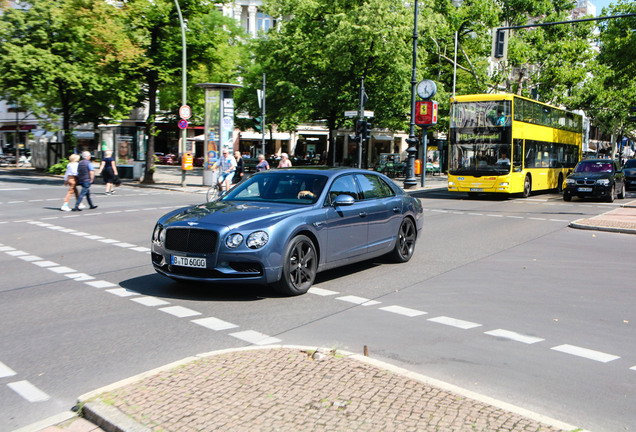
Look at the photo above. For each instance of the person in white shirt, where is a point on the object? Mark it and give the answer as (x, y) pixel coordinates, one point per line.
(503, 159)
(70, 180)
(227, 165)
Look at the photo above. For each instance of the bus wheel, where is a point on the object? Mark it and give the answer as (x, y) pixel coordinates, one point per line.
(559, 187)
(527, 186)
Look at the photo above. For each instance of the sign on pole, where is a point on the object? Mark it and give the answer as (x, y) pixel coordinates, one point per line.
(183, 124)
(185, 112)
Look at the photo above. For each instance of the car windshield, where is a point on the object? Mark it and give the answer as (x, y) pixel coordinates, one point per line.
(594, 167)
(279, 187)
(630, 163)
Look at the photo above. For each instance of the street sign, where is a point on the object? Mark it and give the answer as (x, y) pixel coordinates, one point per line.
(183, 124)
(351, 114)
(368, 114)
(425, 113)
(185, 112)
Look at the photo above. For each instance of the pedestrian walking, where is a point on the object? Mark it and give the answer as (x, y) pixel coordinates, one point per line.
(108, 170)
(284, 161)
(240, 168)
(262, 163)
(70, 180)
(85, 176)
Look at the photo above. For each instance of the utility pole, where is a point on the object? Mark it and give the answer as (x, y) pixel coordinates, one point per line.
(263, 117)
(361, 126)
(184, 131)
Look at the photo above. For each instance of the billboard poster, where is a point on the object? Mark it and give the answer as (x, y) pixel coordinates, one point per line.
(212, 132)
(227, 121)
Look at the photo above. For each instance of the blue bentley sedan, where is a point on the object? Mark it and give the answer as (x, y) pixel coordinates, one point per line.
(282, 226)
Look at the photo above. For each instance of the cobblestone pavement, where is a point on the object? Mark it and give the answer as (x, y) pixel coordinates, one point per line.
(294, 389)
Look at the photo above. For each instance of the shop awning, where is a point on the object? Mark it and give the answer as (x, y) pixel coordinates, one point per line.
(257, 136)
(11, 128)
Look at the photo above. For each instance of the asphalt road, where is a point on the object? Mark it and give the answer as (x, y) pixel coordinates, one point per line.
(501, 297)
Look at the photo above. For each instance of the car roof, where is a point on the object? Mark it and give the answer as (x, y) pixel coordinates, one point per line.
(324, 170)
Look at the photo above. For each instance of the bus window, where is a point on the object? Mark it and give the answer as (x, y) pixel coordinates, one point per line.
(517, 154)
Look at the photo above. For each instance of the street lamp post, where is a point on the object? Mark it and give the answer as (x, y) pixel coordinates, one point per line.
(410, 180)
(457, 4)
(184, 131)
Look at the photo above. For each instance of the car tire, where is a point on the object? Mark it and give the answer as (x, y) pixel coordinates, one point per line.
(621, 193)
(610, 197)
(567, 196)
(405, 242)
(299, 267)
(527, 186)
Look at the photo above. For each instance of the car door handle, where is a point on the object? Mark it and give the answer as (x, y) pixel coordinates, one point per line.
(396, 210)
(363, 214)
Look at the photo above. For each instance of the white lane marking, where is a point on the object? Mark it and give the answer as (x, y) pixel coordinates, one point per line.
(506, 334)
(17, 253)
(15, 202)
(6, 371)
(322, 292)
(68, 230)
(214, 323)
(476, 214)
(494, 215)
(140, 249)
(28, 391)
(515, 217)
(559, 220)
(466, 325)
(585, 353)
(122, 292)
(124, 245)
(255, 337)
(79, 277)
(94, 237)
(100, 284)
(31, 258)
(45, 263)
(109, 241)
(150, 301)
(633, 368)
(358, 300)
(180, 311)
(62, 269)
(14, 189)
(537, 218)
(80, 234)
(113, 212)
(403, 311)
(6, 248)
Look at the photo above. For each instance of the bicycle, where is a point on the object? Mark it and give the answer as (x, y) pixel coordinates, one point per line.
(213, 192)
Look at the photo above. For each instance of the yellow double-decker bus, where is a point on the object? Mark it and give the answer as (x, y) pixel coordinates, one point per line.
(508, 144)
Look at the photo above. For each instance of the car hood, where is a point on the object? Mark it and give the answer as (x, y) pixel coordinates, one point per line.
(232, 213)
(590, 175)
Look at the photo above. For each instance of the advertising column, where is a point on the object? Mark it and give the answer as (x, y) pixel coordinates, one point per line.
(219, 125)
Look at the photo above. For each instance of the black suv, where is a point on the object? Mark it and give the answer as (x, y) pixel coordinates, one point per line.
(629, 169)
(596, 178)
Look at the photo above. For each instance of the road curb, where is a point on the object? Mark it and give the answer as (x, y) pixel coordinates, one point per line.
(578, 224)
(111, 419)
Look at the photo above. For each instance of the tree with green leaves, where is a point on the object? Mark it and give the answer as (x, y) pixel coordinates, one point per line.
(610, 89)
(315, 60)
(67, 58)
(213, 49)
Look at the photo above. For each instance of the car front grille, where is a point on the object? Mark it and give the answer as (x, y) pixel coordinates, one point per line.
(191, 240)
(585, 182)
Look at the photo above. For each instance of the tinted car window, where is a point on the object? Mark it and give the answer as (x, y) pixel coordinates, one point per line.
(344, 185)
(373, 186)
(630, 163)
(594, 167)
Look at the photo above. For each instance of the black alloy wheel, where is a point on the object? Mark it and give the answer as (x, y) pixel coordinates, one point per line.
(612, 193)
(621, 193)
(405, 242)
(299, 266)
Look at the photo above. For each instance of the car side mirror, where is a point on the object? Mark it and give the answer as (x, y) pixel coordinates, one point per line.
(343, 200)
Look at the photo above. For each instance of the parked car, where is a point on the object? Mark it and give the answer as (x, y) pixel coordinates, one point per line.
(595, 178)
(169, 159)
(629, 171)
(281, 227)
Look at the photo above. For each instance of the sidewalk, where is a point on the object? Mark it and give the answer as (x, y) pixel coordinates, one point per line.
(283, 388)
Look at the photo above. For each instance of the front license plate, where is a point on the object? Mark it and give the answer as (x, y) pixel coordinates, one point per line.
(584, 189)
(187, 261)
(476, 189)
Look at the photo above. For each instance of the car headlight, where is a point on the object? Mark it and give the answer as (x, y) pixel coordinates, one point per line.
(570, 181)
(603, 182)
(233, 240)
(159, 234)
(257, 240)
(504, 184)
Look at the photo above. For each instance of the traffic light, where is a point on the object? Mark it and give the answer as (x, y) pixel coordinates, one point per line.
(257, 124)
(500, 44)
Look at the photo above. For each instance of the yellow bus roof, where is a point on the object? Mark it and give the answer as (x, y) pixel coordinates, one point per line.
(496, 97)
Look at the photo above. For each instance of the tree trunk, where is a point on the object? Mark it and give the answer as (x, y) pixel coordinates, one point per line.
(150, 131)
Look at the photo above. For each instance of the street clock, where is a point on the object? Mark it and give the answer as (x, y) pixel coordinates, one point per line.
(426, 89)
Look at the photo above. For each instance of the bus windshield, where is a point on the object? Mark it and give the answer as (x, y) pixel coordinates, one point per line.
(480, 138)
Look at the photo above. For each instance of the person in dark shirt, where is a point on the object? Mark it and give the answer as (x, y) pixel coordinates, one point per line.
(85, 176)
(240, 168)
